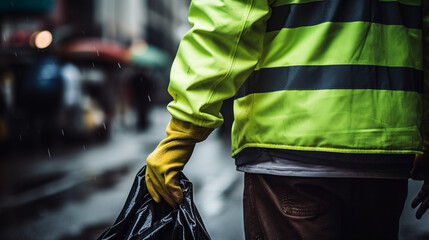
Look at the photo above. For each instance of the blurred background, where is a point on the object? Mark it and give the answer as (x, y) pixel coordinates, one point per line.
(83, 95)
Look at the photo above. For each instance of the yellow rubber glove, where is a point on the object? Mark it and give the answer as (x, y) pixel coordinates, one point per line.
(169, 158)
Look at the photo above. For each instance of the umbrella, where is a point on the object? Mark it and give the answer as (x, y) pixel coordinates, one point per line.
(95, 49)
(144, 55)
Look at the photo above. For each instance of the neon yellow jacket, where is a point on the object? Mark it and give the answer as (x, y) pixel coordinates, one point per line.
(335, 76)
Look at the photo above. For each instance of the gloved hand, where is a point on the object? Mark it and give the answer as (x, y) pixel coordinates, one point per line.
(422, 199)
(169, 158)
(420, 171)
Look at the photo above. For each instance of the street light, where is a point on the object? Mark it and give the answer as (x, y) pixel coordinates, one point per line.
(42, 39)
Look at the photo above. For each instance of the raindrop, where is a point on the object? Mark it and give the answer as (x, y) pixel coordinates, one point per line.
(93, 64)
(98, 54)
(20, 137)
(148, 97)
(119, 65)
(83, 146)
(16, 54)
(49, 153)
(104, 125)
(62, 131)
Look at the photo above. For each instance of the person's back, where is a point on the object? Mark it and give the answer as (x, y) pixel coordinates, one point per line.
(328, 110)
(336, 76)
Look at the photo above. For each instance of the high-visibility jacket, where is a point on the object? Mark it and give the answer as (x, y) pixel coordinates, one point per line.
(343, 76)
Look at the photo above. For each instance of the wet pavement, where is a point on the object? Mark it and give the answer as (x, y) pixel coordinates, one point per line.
(77, 192)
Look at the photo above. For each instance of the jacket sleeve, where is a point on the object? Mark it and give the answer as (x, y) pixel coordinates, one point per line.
(425, 119)
(215, 57)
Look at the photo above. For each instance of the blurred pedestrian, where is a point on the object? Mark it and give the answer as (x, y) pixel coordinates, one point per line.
(142, 87)
(331, 109)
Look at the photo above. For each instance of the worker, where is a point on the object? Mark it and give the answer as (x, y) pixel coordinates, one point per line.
(330, 111)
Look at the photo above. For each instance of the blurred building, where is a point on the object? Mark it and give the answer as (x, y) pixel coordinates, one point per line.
(167, 23)
(161, 23)
(93, 38)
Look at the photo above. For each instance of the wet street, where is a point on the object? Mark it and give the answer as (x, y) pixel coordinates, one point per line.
(77, 192)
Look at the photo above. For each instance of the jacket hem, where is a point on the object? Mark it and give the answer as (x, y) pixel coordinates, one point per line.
(327, 149)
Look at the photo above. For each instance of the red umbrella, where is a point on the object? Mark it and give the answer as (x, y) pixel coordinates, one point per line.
(95, 49)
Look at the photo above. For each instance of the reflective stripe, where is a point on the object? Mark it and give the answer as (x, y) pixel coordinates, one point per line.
(332, 77)
(408, 2)
(359, 43)
(333, 120)
(313, 13)
(284, 2)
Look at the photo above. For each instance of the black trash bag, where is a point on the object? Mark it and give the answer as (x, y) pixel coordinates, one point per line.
(142, 218)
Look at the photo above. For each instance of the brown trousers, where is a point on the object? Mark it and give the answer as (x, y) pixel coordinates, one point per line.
(322, 208)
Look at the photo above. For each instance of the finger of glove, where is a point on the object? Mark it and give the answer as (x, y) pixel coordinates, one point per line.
(167, 197)
(422, 195)
(174, 189)
(157, 189)
(422, 209)
(418, 199)
(151, 188)
(161, 188)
